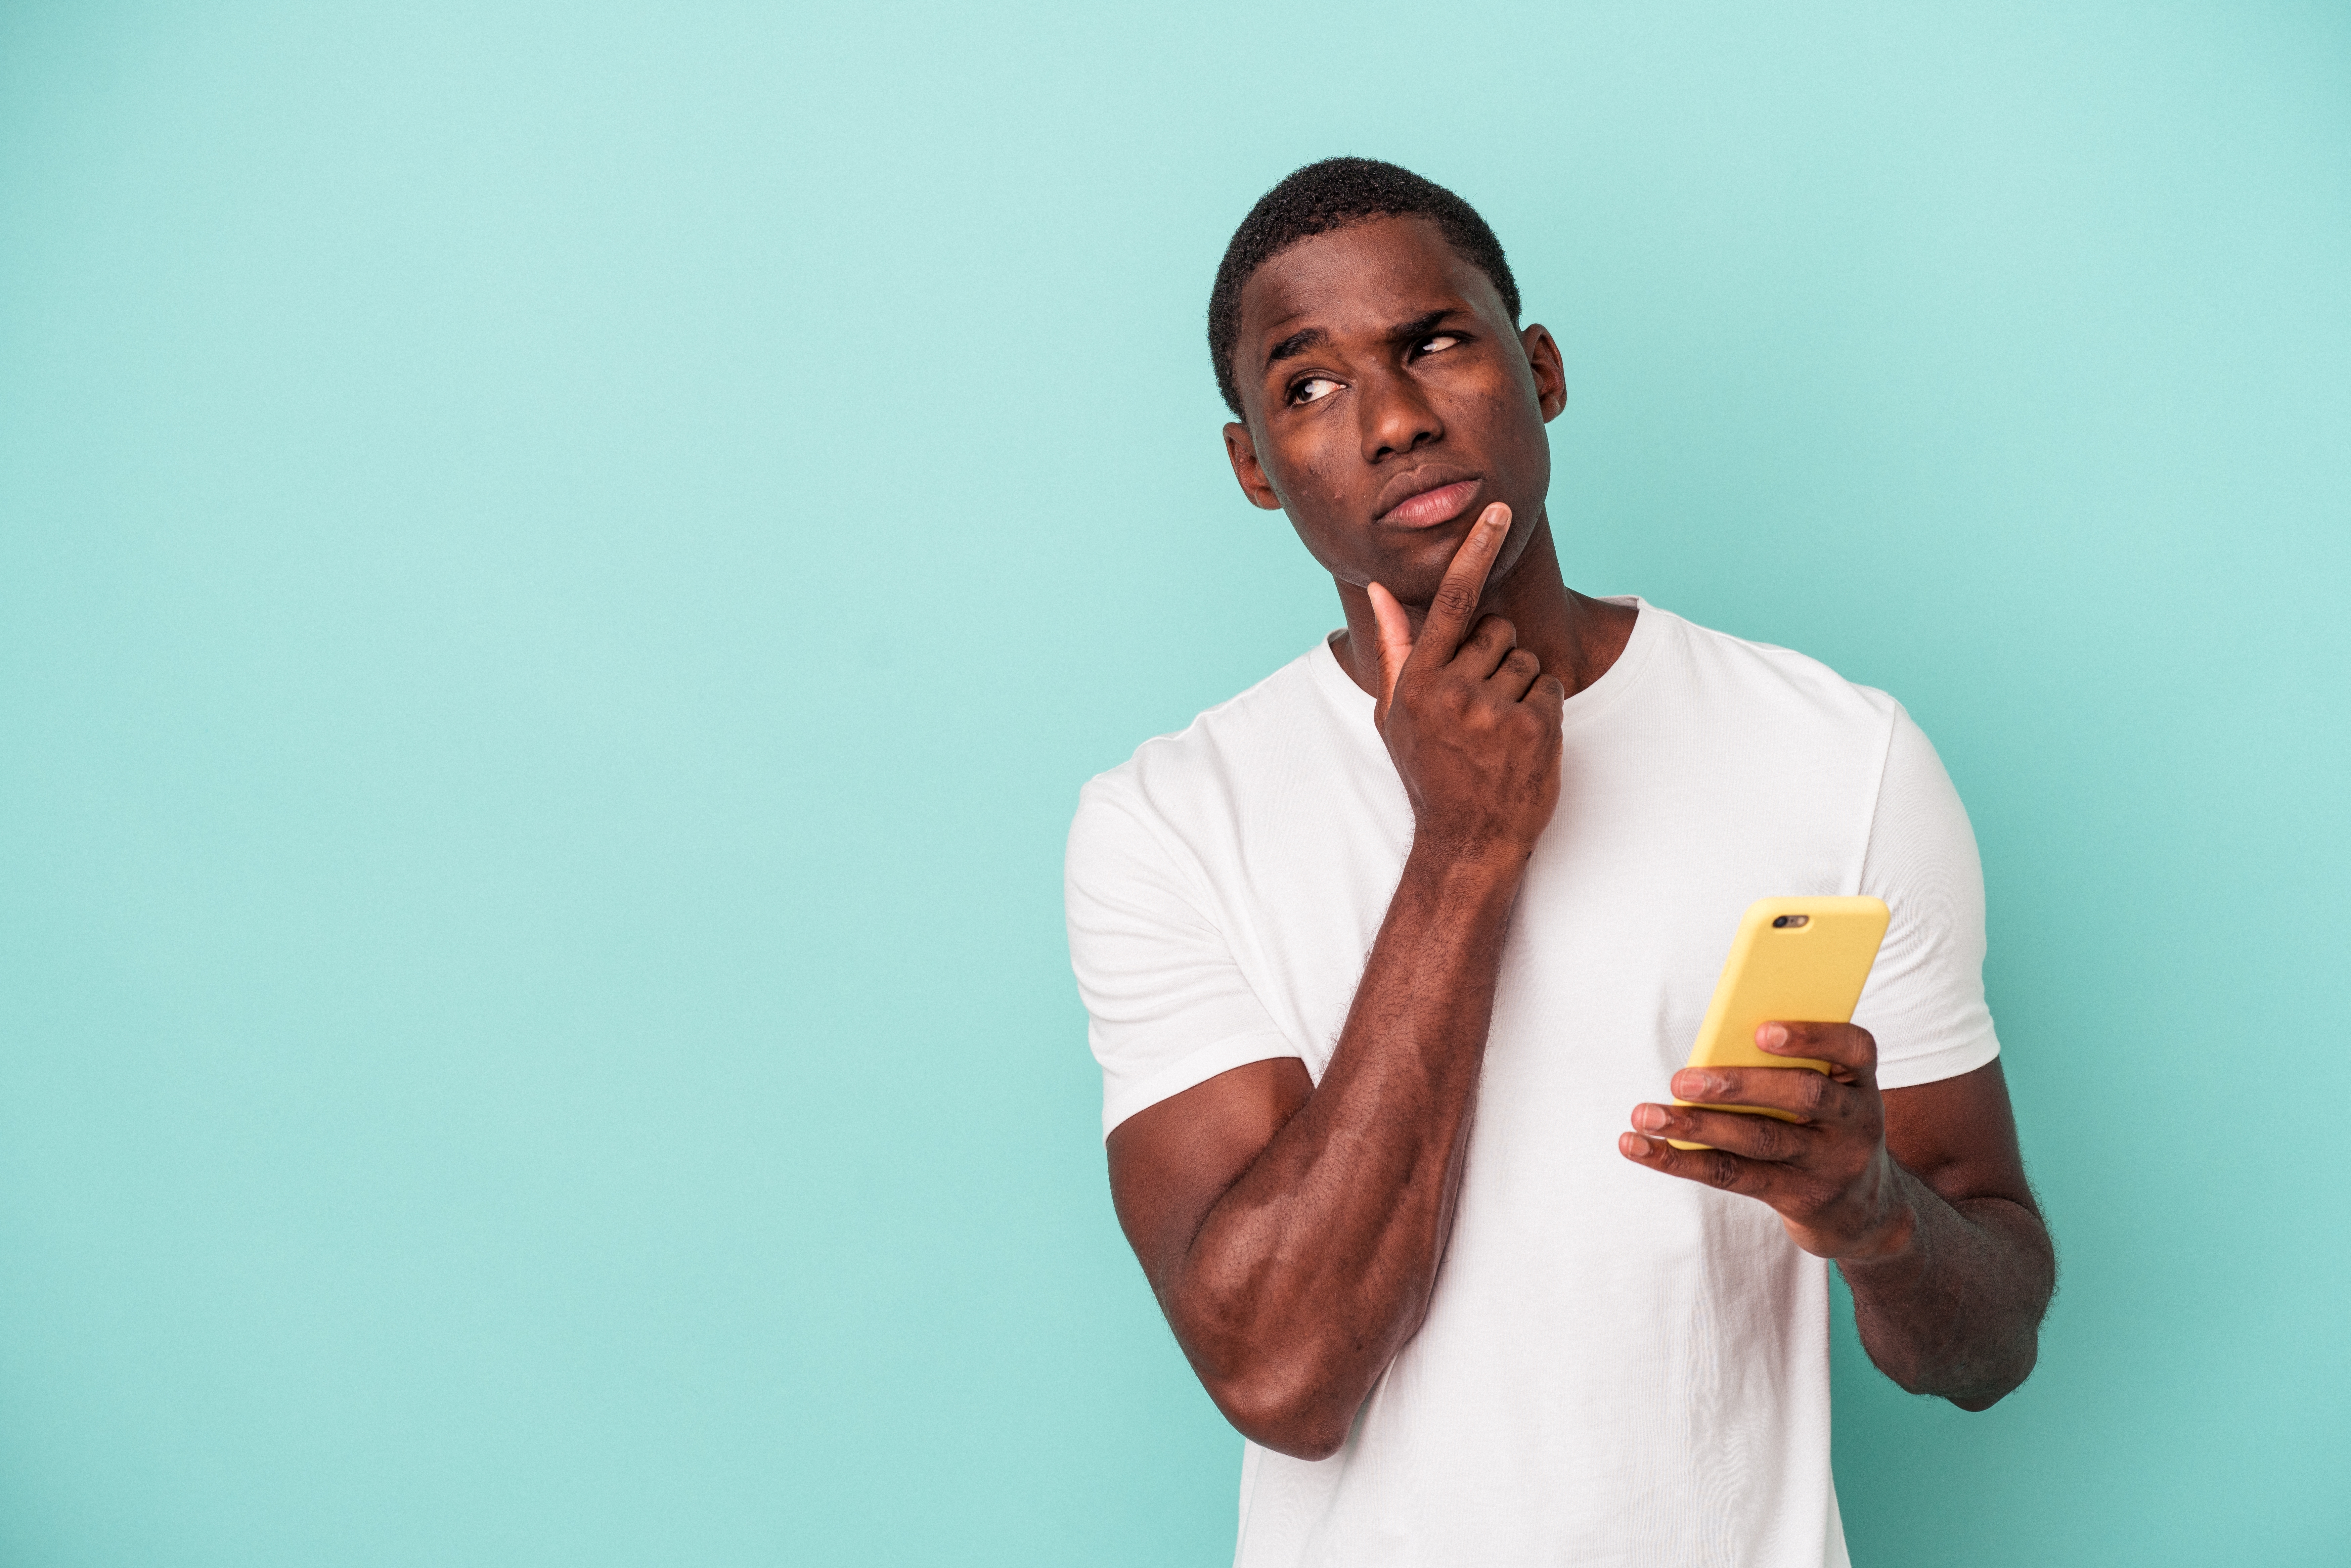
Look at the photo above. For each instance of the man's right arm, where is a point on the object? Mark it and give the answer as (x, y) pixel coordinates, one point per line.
(1293, 1231)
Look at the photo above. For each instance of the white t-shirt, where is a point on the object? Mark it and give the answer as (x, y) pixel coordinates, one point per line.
(1617, 1367)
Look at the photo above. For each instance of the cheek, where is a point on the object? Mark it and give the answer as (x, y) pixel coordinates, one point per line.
(1312, 477)
(1520, 440)
(1328, 487)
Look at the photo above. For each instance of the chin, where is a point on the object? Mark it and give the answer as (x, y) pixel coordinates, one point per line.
(1416, 571)
(1414, 583)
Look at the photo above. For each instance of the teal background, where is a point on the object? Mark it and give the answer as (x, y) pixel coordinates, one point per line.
(560, 569)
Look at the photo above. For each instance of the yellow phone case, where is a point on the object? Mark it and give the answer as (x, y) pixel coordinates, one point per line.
(1795, 960)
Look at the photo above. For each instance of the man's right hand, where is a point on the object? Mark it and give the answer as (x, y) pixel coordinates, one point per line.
(1469, 715)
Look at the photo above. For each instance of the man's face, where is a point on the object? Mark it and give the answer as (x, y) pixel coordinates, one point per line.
(1388, 401)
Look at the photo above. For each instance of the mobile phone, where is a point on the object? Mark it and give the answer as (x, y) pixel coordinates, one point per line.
(1795, 960)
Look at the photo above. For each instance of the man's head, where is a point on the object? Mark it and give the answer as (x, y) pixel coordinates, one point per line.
(1365, 330)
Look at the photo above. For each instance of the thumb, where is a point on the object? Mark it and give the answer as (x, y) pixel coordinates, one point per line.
(1395, 642)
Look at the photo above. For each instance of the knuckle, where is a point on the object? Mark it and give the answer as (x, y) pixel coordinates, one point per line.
(1814, 1094)
(1772, 1139)
(1722, 1171)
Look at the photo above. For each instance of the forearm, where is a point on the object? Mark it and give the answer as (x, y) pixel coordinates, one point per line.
(1315, 1267)
(1954, 1308)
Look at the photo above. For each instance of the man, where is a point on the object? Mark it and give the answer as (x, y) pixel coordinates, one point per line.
(1382, 953)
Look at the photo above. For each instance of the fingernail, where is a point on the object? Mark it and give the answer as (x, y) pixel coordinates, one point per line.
(1650, 1118)
(1635, 1145)
(1772, 1034)
(1697, 1086)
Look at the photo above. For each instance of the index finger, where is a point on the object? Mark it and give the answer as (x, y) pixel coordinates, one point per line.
(1839, 1044)
(1464, 585)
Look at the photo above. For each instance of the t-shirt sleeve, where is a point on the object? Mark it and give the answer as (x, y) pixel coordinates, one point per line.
(1924, 998)
(1168, 1007)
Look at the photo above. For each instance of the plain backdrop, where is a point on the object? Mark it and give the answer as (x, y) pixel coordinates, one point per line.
(560, 569)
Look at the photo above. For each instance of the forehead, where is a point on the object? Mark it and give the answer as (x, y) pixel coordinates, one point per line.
(1364, 276)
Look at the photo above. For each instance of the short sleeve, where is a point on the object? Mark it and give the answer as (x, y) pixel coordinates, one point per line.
(1925, 999)
(1168, 1007)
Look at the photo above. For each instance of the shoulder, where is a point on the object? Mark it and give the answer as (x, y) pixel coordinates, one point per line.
(1188, 788)
(1244, 741)
(1736, 678)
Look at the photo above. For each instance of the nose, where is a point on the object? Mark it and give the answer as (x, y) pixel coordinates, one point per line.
(1397, 417)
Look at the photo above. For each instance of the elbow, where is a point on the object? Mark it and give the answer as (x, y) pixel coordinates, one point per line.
(1296, 1422)
(1292, 1386)
(1986, 1395)
(1976, 1401)
(1978, 1387)
(1288, 1399)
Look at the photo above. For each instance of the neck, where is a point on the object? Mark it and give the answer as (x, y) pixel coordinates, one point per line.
(1576, 638)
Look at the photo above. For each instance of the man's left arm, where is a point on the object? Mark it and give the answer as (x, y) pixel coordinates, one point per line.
(1919, 1194)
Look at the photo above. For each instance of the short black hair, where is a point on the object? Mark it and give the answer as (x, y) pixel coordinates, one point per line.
(1330, 196)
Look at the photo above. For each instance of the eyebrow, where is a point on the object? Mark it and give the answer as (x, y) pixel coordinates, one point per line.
(1297, 343)
(1419, 326)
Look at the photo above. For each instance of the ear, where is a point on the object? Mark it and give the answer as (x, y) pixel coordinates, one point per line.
(1241, 452)
(1551, 375)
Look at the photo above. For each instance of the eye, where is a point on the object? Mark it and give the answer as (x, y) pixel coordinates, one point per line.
(1440, 343)
(1313, 389)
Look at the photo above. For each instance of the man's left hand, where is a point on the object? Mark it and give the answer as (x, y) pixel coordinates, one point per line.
(1827, 1173)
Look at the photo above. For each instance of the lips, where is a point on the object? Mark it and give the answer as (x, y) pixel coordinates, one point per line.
(1440, 503)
